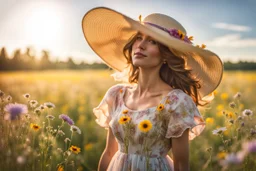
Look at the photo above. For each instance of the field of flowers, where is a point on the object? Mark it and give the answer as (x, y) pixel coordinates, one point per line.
(46, 122)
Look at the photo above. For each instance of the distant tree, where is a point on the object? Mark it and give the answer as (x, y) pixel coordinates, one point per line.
(71, 64)
(16, 63)
(45, 62)
(4, 61)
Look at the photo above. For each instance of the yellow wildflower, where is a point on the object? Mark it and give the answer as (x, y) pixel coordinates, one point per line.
(220, 107)
(221, 155)
(88, 146)
(124, 119)
(160, 107)
(75, 149)
(34, 126)
(224, 96)
(209, 120)
(60, 168)
(181, 34)
(145, 126)
(203, 46)
(191, 38)
(125, 111)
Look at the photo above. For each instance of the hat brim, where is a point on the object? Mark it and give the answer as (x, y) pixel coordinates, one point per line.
(107, 32)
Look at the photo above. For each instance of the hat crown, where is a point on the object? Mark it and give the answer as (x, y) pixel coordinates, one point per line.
(164, 21)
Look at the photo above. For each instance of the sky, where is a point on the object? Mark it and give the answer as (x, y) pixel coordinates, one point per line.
(227, 27)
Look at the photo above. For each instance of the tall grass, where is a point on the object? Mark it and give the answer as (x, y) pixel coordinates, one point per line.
(75, 93)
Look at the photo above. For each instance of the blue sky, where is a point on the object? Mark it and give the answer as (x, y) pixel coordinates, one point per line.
(227, 27)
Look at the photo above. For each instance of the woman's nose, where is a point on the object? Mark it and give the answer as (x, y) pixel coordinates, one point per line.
(142, 44)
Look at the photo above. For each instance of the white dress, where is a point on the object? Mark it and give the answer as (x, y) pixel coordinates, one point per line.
(144, 136)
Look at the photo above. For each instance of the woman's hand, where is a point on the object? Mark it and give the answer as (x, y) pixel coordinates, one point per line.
(180, 150)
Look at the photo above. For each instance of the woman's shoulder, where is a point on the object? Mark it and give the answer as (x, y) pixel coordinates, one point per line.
(117, 88)
(177, 96)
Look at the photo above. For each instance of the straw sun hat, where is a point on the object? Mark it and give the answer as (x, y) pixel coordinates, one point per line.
(107, 31)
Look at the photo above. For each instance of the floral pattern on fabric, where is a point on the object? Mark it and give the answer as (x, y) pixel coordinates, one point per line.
(144, 136)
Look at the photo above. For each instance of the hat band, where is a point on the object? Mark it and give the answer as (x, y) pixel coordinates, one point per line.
(172, 32)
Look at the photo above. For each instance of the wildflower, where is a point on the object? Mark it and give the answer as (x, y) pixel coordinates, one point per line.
(124, 119)
(49, 105)
(231, 159)
(242, 124)
(160, 107)
(59, 150)
(61, 133)
(232, 105)
(41, 107)
(247, 112)
(37, 111)
(125, 111)
(60, 168)
(231, 121)
(240, 118)
(209, 120)
(88, 146)
(191, 38)
(67, 119)
(9, 98)
(34, 126)
(237, 95)
(33, 103)
(220, 107)
(74, 128)
(224, 96)
(27, 96)
(50, 117)
(249, 147)
(15, 110)
(203, 46)
(27, 116)
(253, 132)
(145, 126)
(221, 155)
(21, 160)
(219, 130)
(209, 149)
(230, 115)
(66, 140)
(75, 149)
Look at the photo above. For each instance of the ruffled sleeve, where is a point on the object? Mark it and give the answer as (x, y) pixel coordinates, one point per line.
(184, 114)
(104, 110)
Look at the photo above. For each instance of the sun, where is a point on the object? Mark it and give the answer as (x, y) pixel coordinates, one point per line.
(43, 27)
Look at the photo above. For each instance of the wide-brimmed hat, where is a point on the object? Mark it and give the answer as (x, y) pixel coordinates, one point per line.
(108, 31)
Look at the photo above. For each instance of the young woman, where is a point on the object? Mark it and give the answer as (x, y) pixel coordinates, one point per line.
(156, 111)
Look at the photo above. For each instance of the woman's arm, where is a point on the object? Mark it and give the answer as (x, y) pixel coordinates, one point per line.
(180, 150)
(108, 153)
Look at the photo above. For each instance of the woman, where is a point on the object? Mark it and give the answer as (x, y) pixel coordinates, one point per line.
(168, 77)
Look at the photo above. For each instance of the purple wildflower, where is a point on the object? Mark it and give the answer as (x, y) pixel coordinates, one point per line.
(15, 110)
(232, 159)
(67, 119)
(250, 147)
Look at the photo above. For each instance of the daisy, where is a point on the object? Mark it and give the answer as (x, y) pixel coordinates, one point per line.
(219, 130)
(50, 117)
(247, 112)
(49, 105)
(74, 128)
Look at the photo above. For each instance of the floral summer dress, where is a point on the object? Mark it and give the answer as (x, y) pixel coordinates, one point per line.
(144, 136)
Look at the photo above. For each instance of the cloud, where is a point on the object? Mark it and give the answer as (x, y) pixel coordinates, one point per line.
(232, 27)
(232, 40)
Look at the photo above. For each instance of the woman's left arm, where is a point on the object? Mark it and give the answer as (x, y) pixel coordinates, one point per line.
(180, 150)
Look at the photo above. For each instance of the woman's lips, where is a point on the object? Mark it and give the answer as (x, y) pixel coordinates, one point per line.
(138, 54)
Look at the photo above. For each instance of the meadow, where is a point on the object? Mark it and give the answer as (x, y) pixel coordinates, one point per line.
(46, 141)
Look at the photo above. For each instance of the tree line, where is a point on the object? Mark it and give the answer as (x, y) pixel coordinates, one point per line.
(27, 61)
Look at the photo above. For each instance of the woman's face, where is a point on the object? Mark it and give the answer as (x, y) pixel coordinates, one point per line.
(145, 52)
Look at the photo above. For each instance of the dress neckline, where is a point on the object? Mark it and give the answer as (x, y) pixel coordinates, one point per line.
(150, 108)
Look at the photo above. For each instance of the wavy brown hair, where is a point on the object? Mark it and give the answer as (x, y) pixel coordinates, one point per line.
(173, 72)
